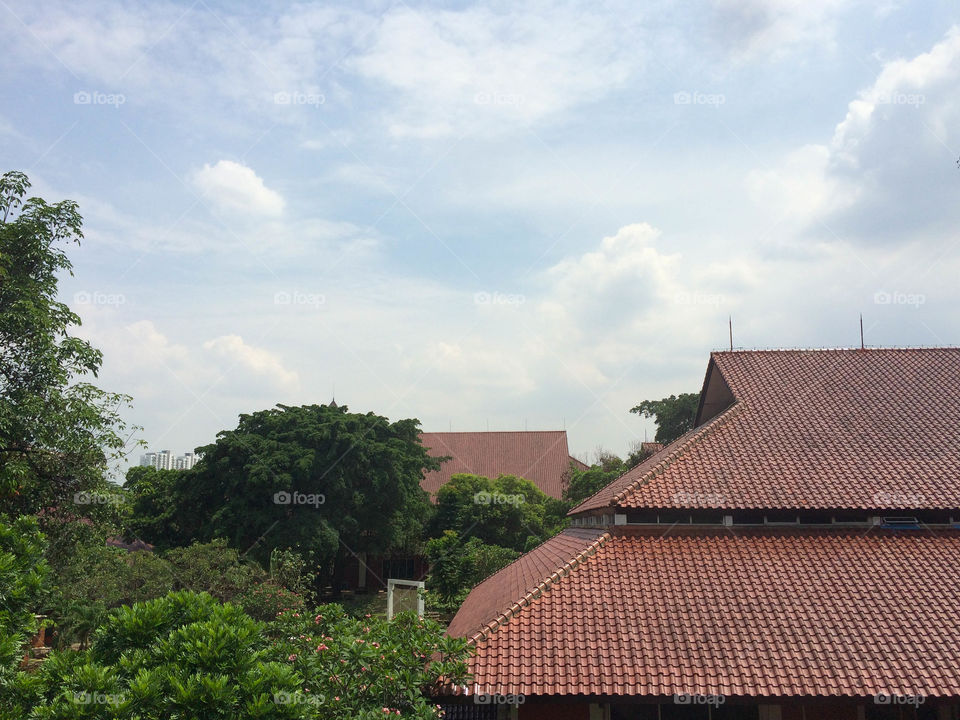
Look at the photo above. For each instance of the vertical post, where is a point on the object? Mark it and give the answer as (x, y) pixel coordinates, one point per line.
(861, 331)
(389, 599)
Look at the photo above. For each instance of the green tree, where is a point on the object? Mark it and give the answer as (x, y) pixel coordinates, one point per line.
(507, 511)
(674, 415)
(584, 483)
(57, 431)
(159, 512)
(457, 565)
(313, 478)
(22, 573)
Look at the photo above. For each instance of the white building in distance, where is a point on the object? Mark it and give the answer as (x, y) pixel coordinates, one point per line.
(165, 460)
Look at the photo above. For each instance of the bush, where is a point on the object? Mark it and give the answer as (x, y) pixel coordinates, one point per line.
(264, 602)
(215, 568)
(366, 667)
(181, 656)
(22, 573)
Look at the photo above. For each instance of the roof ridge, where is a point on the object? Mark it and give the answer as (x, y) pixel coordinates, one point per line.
(488, 628)
(695, 437)
(663, 457)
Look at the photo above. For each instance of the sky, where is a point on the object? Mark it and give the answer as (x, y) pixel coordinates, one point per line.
(497, 216)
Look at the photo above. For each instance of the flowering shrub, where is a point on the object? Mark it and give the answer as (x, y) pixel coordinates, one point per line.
(368, 667)
(265, 601)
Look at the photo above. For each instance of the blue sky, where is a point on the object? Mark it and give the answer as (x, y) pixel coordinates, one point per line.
(503, 215)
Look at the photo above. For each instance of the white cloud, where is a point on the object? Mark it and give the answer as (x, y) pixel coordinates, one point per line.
(888, 174)
(761, 28)
(233, 187)
(482, 70)
(260, 362)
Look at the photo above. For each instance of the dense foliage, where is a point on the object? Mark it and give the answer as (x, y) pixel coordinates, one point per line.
(674, 415)
(187, 656)
(56, 431)
(507, 511)
(315, 478)
(458, 564)
(368, 667)
(22, 573)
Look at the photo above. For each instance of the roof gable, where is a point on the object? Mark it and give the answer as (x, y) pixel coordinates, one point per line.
(814, 429)
(539, 456)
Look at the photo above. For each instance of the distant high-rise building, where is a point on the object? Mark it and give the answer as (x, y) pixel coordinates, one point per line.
(165, 460)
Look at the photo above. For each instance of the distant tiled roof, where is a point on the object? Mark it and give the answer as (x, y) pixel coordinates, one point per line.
(541, 457)
(523, 579)
(758, 613)
(816, 429)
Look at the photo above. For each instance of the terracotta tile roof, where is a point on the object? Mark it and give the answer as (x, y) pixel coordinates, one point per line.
(818, 429)
(541, 457)
(765, 613)
(515, 584)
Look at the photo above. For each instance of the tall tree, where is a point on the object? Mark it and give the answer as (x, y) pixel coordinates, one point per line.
(674, 415)
(57, 430)
(314, 477)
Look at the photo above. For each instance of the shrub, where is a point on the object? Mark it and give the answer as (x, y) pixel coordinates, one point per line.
(215, 568)
(363, 667)
(181, 656)
(264, 602)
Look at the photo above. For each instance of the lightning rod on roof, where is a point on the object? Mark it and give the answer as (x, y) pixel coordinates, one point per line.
(861, 331)
(730, 321)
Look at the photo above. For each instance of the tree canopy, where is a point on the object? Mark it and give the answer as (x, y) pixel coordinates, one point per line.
(674, 415)
(315, 478)
(57, 430)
